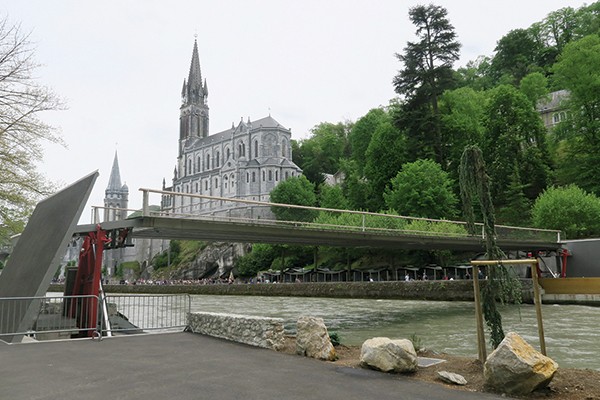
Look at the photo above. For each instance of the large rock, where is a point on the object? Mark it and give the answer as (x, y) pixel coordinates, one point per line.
(312, 339)
(517, 368)
(387, 355)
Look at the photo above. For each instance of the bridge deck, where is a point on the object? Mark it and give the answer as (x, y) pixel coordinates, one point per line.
(154, 227)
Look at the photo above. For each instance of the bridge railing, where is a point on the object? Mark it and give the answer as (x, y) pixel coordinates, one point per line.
(198, 206)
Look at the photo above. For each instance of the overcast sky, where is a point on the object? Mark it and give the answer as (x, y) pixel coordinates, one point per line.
(120, 65)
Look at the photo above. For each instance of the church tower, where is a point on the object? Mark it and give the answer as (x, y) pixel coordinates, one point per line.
(115, 195)
(193, 119)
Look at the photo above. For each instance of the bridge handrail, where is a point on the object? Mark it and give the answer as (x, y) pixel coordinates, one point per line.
(146, 210)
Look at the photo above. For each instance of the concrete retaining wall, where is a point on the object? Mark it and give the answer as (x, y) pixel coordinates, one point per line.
(255, 331)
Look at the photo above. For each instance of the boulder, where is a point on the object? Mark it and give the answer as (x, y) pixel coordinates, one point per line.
(312, 339)
(387, 355)
(451, 377)
(517, 368)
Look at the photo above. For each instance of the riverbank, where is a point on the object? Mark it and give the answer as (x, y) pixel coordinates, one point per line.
(567, 384)
(456, 290)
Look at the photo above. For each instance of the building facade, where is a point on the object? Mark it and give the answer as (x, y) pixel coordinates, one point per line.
(244, 162)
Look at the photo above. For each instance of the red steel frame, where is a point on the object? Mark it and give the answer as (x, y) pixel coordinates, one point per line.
(87, 281)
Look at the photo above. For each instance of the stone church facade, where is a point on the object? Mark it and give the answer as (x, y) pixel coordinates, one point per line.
(243, 162)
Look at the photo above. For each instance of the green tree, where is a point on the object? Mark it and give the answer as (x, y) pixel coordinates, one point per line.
(259, 259)
(362, 132)
(422, 189)
(384, 158)
(535, 87)
(22, 133)
(515, 141)
(426, 74)
(295, 190)
(322, 151)
(517, 54)
(577, 71)
(569, 209)
(462, 120)
(333, 197)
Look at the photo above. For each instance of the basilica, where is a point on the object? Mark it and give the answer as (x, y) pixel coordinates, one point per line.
(243, 162)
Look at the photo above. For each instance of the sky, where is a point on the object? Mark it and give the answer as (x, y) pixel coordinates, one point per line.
(120, 65)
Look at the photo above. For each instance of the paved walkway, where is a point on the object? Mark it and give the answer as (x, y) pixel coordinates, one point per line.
(190, 366)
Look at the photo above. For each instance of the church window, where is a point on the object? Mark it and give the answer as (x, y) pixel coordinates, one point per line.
(263, 175)
(216, 183)
(256, 148)
(253, 176)
(205, 185)
(286, 175)
(276, 176)
(225, 179)
(218, 159)
(190, 166)
(198, 164)
(247, 177)
(270, 175)
(227, 154)
(196, 187)
(283, 148)
(208, 161)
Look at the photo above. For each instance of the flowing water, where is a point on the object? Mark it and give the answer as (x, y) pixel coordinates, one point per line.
(571, 331)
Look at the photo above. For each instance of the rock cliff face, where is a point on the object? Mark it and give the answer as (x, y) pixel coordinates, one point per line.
(214, 261)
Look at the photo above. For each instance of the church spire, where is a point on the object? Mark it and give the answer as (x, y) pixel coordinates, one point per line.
(194, 109)
(114, 182)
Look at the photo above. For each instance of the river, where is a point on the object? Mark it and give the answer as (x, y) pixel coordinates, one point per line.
(571, 331)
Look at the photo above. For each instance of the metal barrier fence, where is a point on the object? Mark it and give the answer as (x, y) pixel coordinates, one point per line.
(46, 318)
(64, 317)
(136, 313)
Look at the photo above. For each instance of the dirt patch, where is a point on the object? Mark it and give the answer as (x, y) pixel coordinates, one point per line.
(568, 383)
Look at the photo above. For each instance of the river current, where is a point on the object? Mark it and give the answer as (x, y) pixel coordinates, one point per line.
(571, 331)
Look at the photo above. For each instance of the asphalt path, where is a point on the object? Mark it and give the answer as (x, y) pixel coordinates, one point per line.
(192, 366)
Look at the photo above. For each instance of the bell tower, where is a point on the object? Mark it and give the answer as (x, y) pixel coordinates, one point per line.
(193, 119)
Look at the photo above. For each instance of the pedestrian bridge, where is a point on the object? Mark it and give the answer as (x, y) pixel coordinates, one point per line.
(348, 229)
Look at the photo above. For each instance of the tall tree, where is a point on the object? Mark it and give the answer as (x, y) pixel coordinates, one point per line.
(517, 54)
(577, 71)
(22, 132)
(362, 132)
(384, 158)
(426, 74)
(515, 140)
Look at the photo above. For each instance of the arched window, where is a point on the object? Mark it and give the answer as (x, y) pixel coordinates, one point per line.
(253, 176)
(284, 148)
(270, 175)
(247, 177)
(255, 148)
(208, 161)
(263, 175)
(206, 185)
(218, 159)
(225, 181)
(199, 163)
(276, 176)
(190, 170)
(227, 154)
(216, 183)
(286, 175)
(196, 187)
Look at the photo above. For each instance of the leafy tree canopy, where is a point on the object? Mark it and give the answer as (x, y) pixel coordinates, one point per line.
(569, 209)
(295, 190)
(422, 189)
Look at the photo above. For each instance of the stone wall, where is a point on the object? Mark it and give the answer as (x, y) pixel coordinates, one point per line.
(458, 290)
(255, 331)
